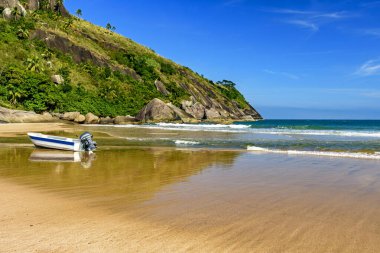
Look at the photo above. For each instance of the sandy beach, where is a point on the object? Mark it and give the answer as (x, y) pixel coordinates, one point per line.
(10, 130)
(171, 200)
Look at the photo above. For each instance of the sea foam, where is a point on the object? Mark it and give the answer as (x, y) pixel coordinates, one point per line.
(374, 156)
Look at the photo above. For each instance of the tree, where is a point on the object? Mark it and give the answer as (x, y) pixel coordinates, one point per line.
(108, 26)
(226, 83)
(79, 13)
(113, 29)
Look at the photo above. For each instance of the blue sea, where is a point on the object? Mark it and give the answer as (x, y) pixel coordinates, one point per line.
(341, 138)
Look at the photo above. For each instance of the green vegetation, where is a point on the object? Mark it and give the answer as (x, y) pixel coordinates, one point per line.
(121, 85)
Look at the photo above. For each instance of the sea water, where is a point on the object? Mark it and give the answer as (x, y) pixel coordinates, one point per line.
(346, 138)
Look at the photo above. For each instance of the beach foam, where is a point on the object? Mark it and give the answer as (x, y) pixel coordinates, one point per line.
(374, 156)
(183, 142)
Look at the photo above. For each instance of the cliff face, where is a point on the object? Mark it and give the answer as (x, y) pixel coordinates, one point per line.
(109, 74)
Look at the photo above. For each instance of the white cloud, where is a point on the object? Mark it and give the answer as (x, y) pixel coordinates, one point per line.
(304, 24)
(232, 2)
(369, 68)
(286, 74)
(311, 20)
(372, 32)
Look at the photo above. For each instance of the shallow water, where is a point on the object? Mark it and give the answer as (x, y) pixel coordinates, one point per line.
(237, 201)
(317, 136)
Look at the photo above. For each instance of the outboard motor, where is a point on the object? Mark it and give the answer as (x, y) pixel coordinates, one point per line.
(87, 143)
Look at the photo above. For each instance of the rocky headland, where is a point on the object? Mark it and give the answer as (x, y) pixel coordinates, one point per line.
(65, 68)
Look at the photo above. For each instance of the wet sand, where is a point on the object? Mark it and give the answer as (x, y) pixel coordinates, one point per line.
(149, 199)
(10, 130)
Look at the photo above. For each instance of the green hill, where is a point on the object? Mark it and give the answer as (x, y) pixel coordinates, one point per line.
(52, 61)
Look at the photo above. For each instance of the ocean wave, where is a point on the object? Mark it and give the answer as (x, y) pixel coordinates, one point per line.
(234, 128)
(203, 126)
(374, 156)
(183, 142)
(373, 134)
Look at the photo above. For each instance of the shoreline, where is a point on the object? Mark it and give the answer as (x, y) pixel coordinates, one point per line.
(202, 201)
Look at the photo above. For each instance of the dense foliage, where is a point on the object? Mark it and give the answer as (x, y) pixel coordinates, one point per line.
(26, 67)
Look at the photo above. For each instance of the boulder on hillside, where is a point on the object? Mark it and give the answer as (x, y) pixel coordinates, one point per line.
(57, 79)
(33, 5)
(212, 113)
(80, 119)
(91, 119)
(157, 110)
(124, 120)
(197, 110)
(17, 116)
(184, 116)
(7, 13)
(106, 121)
(70, 116)
(161, 88)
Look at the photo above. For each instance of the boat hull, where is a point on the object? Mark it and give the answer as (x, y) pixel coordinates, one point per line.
(54, 142)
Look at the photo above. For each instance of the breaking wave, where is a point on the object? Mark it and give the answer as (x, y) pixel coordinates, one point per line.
(373, 156)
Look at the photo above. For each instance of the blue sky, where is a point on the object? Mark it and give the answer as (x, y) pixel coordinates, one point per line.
(291, 59)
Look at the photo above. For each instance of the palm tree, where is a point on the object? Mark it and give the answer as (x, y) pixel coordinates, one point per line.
(79, 13)
(13, 96)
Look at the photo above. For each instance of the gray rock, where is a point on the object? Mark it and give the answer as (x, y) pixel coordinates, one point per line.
(91, 118)
(124, 120)
(57, 115)
(161, 88)
(212, 113)
(21, 9)
(57, 79)
(17, 116)
(184, 116)
(106, 121)
(185, 103)
(7, 13)
(156, 110)
(80, 119)
(33, 5)
(197, 110)
(70, 116)
(8, 3)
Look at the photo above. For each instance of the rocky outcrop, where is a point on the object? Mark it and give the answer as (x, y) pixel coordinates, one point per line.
(79, 53)
(80, 119)
(34, 5)
(70, 116)
(196, 110)
(120, 120)
(212, 114)
(17, 116)
(57, 79)
(161, 88)
(106, 121)
(182, 115)
(7, 14)
(157, 110)
(91, 119)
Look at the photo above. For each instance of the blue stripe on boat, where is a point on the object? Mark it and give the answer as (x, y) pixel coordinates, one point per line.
(52, 141)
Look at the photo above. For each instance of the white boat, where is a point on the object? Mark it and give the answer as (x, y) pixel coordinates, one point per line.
(55, 142)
